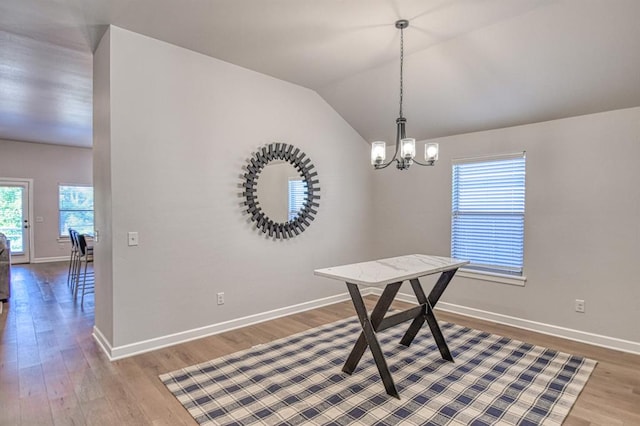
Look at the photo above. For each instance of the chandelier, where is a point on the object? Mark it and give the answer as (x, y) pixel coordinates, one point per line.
(406, 146)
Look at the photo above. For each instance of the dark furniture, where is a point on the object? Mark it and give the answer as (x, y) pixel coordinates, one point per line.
(5, 268)
(389, 274)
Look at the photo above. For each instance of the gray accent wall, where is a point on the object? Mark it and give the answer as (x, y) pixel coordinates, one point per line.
(171, 145)
(582, 222)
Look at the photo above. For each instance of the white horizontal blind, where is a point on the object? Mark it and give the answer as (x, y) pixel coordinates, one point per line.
(488, 203)
(297, 197)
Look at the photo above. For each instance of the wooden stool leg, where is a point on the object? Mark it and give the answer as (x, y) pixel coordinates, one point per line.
(84, 283)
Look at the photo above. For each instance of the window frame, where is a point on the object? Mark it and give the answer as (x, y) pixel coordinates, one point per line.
(64, 234)
(479, 272)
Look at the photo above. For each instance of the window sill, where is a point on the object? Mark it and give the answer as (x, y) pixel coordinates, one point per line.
(68, 240)
(493, 277)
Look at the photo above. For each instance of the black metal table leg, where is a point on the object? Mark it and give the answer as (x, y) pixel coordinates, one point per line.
(381, 308)
(437, 335)
(432, 300)
(428, 315)
(419, 320)
(440, 286)
(377, 322)
(368, 335)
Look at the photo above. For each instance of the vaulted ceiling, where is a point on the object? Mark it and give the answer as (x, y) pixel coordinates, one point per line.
(469, 64)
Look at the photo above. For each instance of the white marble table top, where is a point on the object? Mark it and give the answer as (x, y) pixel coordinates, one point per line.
(386, 271)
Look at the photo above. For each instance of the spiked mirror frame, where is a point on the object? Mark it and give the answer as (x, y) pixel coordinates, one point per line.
(255, 164)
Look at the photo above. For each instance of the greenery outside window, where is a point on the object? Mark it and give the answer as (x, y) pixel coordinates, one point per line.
(488, 206)
(11, 210)
(75, 204)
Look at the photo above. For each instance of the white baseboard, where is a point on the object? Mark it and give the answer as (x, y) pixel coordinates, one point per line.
(119, 352)
(124, 351)
(50, 259)
(102, 342)
(539, 327)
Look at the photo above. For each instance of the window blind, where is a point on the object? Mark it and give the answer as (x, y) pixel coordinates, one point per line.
(297, 197)
(488, 206)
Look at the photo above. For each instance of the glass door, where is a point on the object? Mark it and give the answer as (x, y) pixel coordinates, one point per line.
(14, 218)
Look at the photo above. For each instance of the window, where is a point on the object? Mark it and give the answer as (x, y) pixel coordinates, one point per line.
(297, 197)
(75, 204)
(487, 226)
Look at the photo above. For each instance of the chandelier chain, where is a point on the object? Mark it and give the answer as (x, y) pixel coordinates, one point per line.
(401, 65)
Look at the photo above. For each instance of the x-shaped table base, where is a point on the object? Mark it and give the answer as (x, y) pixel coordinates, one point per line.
(378, 322)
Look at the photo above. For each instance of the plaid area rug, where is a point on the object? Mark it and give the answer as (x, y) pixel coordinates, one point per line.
(298, 380)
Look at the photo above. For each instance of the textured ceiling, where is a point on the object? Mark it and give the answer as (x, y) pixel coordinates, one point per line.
(470, 64)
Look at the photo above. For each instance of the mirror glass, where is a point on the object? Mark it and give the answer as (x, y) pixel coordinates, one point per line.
(280, 191)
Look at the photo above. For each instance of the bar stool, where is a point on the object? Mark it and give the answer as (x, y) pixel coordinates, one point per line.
(85, 255)
(72, 260)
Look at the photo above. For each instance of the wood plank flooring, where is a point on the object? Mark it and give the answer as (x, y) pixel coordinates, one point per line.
(53, 373)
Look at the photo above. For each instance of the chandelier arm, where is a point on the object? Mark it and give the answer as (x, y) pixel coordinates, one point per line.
(422, 164)
(385, 165)
(398, 137)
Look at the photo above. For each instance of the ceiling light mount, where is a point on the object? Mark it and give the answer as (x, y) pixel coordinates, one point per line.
(401, 24)
(406, 146)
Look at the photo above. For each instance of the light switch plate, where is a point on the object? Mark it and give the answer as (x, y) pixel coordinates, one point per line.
(133, 238)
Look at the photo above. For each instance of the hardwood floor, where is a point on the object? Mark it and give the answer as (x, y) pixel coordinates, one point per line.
(52, 371)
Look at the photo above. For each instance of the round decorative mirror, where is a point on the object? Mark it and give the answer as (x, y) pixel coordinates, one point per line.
(281, 194)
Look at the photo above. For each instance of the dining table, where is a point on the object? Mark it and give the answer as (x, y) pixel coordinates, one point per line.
(388, 275)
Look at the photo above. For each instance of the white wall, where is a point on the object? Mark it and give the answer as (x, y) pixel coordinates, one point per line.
(180, 128)
(582, 227)
(48, 166)
(103, 245)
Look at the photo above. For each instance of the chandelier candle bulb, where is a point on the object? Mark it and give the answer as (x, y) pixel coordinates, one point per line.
(378, 152)
(408, 148)
(431, 152)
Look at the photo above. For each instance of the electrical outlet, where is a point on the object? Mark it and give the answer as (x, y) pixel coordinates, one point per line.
(579, 305)
(220, 298)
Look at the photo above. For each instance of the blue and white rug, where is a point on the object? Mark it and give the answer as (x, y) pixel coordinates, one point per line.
(298, 380)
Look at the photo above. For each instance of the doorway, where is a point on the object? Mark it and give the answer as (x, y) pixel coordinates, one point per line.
(15, 214)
